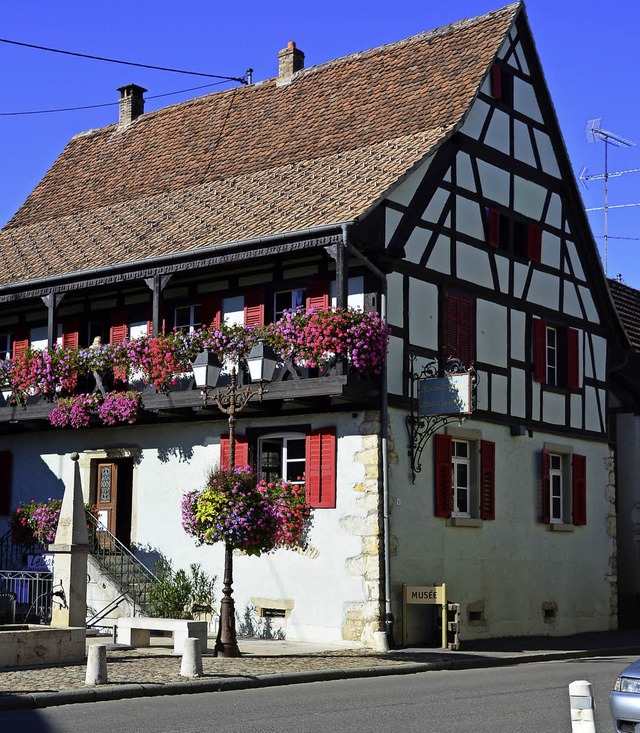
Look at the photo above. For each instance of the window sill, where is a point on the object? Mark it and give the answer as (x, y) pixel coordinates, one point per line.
(464, 522)
(560, 527)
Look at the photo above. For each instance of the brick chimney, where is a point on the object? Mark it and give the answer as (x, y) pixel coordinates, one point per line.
(290, 60)
(131, 103)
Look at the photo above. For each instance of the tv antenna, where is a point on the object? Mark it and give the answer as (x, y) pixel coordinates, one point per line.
(595, 132)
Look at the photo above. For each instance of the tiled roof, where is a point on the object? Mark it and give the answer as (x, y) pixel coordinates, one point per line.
(255, 160)
(627, 303)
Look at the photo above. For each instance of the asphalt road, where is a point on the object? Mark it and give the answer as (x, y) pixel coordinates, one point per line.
(524, 698)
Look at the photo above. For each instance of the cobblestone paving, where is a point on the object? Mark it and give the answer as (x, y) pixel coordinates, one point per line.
(156, 666)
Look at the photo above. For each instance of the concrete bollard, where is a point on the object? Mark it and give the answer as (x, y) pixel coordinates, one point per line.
(96, 665)
(582, 707)
(380, 641)
(191, 665)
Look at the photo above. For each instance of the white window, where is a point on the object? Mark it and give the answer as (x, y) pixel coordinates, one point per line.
(38, 338)
(287, 300)
(188, 317)
(282, 456)
(5, 346)
(233, 310)
(355, 293)
(556, 487)
(461, 477)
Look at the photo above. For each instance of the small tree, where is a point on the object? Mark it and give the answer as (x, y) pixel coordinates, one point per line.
(181, 595)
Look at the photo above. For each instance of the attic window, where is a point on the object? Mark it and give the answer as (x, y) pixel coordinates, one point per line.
(502, 83)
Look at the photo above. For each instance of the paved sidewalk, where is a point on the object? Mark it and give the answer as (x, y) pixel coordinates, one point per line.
(156, 670)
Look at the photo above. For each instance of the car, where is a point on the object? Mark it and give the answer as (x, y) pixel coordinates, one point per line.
(624, 700)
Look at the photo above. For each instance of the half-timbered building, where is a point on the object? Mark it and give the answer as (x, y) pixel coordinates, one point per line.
(427, 180)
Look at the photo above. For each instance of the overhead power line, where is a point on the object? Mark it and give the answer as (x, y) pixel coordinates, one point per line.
(107, 104)
(242, 80)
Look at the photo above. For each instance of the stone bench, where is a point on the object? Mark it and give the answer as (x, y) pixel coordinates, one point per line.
(136, 631)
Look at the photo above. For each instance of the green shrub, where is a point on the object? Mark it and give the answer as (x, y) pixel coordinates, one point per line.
(180, 595)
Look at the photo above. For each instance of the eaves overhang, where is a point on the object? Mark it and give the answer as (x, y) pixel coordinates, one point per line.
(223, 253)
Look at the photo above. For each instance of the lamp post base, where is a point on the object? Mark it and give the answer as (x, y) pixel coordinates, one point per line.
(226, 641)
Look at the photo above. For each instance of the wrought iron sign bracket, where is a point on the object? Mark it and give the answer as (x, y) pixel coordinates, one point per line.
(422, 427)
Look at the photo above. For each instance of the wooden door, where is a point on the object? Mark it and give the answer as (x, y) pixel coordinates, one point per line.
(107, 495)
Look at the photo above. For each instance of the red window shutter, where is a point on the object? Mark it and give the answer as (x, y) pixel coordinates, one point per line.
(459, 328)
(573, 362)
(579, 478)
(320, 473)
(465, 332)
(534, 243)
(119, 329)
(318, 295)
(6, 465)
(211, 312)
(546, 487)
(70, 334)
(539, 350)
(494, 228)
(488, 479)
(117, 334)
(496, 80)
(254, 308)
(443, 493)
(20, 342)
(242, 451)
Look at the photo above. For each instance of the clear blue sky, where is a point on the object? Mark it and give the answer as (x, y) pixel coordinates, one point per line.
(589, 51)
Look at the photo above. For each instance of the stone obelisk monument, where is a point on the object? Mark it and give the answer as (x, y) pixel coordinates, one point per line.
(70, 548)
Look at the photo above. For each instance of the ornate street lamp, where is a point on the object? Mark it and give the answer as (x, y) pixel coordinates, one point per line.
(230, 400)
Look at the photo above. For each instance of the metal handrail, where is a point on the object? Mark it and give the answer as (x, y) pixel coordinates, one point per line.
(120, 563)
(11, 552)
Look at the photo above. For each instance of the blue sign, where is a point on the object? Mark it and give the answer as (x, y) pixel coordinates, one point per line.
(450, 395)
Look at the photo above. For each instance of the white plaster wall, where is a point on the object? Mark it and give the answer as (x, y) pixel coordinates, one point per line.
(469, 218)
(498, 133)
(544, 289)
(473, 265)
(174, 460)
(494, 182)
(518, 394)
(547, 156)
(491, 338)
(522, 143)
(524, 99)
(514, 563)
(395, 299)
(440, 257)
(476, 117)
(423, 314)
(528, 198)
(404, 192)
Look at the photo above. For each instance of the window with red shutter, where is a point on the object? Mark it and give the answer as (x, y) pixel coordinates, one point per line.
(241, 451)
(534, 242)
(573, 362)
(70, 334)
(539, 350)
(254, 308)
(211, 308)
(320, 475)
(494, 228)
(20, 342)
(546, 488)
(6, 471)
(318, 294)
(579, 481)
(459, 328)
(117, 334)
(487, 479)
(443, 458)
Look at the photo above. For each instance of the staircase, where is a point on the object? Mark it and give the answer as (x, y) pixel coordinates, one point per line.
(130, 575)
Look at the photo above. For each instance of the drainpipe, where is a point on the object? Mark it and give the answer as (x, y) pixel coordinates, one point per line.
(384, 450)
